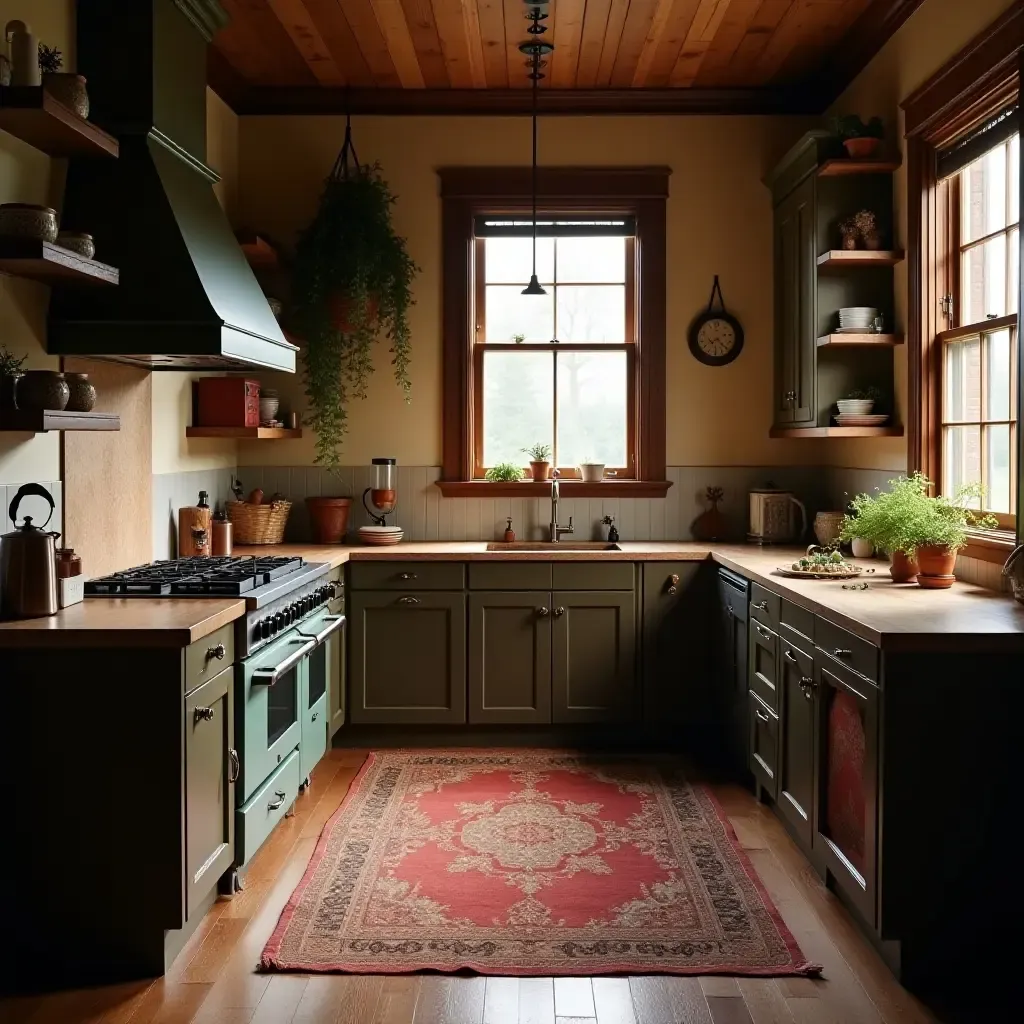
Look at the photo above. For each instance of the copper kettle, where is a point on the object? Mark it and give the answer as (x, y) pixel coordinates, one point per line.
(28, 563)
(1014, 571)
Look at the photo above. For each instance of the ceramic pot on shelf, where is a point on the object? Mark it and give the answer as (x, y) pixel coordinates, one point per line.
(936, 563)
(269, 404)
(328, 519)
(82, 395)
(903, 568)
(40, 390)
(827, 526)
(9, 389)
(862, 148)
(69, 89)
(28, 220)
(78, 241)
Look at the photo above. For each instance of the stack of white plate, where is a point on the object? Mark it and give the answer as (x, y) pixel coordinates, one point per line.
(380, 534)
(856, 319)
(875, 420)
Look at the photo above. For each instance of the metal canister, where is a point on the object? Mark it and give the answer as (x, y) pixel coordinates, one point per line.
(223, 540)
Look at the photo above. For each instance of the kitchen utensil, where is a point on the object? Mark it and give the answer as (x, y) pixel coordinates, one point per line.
(228, 402)
(68, 88)
(875, 420)
(383, 495)
(28, 220)
(68, 563)
(222, 542)
(1013, 570)
(773, 517)
(28, 562)
(194, 528)
(592, 472)
(258, 524)
(24, 53)
(43, 389)
(82, 393)
(827, 526)
(77, 241)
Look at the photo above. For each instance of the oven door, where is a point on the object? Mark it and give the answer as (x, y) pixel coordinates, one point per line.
(269, 715)
(325, 631)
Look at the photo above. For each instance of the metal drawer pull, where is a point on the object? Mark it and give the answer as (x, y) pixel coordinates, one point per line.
(559, 611)
(407, 576)
(334, 623)
(203, 714)
(270, 675)
(542, 611)
(762, 606)
(842, 652)
(275, 804)
(673, 584)
(408, 600)
(762, 632)
(313, 717)
(762, 716)
(790, 657)
(219, 652)
(234, 765)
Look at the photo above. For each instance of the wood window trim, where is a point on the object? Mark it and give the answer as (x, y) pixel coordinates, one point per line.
(467, 191)
(981, 80)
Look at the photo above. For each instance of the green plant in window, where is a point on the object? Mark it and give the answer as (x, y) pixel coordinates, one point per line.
(538, 452)
(504, 472)
(519, 338)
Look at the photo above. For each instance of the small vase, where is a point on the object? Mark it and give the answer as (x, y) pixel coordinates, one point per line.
(861, 148)
(862, 548)
(540, 470)
(42, 390)
(849, 239)
(68, 89)
(83, 394)
(827, 526)
(872, 240)
(936, 563)
(903, 568)
(328, 518)
(9, 390)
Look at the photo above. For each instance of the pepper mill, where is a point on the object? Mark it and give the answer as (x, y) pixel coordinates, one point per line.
(24, 51)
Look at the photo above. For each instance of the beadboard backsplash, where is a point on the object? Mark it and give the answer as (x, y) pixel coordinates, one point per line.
(172, 491)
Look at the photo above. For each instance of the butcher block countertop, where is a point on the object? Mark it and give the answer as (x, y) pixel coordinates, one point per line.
(893, 617)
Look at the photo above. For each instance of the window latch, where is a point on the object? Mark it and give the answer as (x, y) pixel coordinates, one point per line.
(946, 305)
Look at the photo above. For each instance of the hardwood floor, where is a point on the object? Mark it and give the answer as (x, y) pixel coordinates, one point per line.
(214, 982)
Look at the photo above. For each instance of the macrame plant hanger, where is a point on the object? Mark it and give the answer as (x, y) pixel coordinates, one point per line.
(347, 162)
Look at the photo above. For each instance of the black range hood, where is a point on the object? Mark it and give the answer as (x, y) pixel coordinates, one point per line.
(187, 298)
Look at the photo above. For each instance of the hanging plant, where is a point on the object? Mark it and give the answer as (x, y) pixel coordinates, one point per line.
(352, 284)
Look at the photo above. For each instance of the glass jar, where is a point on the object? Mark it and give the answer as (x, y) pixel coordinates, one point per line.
(383, 493)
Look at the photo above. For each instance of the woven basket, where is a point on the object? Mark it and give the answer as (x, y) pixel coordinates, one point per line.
(258, 524)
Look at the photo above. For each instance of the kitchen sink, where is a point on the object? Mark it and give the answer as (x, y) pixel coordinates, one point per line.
(547, 545)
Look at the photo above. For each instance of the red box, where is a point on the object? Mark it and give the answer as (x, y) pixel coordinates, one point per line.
(228, 402)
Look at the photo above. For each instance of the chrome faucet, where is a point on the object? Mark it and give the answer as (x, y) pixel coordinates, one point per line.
(556, 530)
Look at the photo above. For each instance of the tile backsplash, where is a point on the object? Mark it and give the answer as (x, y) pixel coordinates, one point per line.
(427, 516)
(34, 506)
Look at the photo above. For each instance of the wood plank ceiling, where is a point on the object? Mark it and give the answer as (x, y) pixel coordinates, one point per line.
(418, 55)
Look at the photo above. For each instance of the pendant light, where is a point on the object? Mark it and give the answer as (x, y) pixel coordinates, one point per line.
(535, 50)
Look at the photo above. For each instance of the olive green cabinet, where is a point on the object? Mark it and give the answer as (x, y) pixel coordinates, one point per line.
(797, 687)
(731, 672)
(407, 657)
(510, 658)
(211, 768)
(594, 656)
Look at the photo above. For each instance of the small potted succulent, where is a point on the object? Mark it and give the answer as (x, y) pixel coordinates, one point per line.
(10, 373)
(861, 141)
(504, 473)
(540, 460)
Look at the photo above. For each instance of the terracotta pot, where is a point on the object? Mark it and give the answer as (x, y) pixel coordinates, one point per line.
(903, 568)
(83, 394)
(540, 470)
(341, 311)
(935, 566)
(861, 149)
(328, 519)
(43, 389)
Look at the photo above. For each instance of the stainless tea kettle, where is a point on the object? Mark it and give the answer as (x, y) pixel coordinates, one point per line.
(28, 563)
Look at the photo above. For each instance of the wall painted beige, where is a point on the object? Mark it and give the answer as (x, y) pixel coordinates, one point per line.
(931, 36)
(719, 222)
(28, 176)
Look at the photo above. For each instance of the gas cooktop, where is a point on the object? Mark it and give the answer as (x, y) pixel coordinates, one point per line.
(199, 577)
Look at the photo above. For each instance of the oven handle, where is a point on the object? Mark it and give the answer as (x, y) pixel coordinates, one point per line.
(269, 676)
(334, 623)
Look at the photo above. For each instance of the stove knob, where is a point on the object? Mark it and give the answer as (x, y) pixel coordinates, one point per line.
(296, 610)
(306, 604)
(279, 622)
(266, 628)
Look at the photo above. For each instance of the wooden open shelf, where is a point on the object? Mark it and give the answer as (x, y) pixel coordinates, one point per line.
(51, 419)
(870, 340)
(245, 433)
(895, 431)
(31, 114)
(52, 264)
(860, 258)
(840, 167)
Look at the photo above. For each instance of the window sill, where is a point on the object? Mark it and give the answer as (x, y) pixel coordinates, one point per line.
(990, 545)
(540, 488)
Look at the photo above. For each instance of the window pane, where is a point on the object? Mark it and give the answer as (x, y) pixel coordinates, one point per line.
(984, 195)
(1014, 176)
(1013, 273)
(600, 260)
(962, 459)
(510, 260)
(962, 374)
(997, 469)
(997, 352)
(592, 408)
(588, 313)
(509, 313)
(518, 404)
(984, 280)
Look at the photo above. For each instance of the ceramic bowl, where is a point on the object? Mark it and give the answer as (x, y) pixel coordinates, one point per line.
(69, 89)
(855, 406)
(43, 389)
(26, 220)
(83, 393)
(77, 241)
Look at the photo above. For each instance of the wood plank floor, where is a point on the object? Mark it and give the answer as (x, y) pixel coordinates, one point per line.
(214, 982)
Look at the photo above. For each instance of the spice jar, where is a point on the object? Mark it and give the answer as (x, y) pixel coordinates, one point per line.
(223, 540)
(68, 563)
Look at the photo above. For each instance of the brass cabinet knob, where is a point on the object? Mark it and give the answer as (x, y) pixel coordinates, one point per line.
(203, 714)
(542, 611)
(219, 652)
(234, 766)
(673, 584)
(559, 611)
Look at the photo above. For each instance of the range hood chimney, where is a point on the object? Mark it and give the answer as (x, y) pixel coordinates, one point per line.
(187, 298)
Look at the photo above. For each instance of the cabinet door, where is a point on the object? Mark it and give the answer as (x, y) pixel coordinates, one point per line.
(764, 745)
(733, 682)
(847, 768)
(336, 682)
(594, 665)
(211, 767)
(510, 657)
(795, 342)
(796, 761)
(764, 663)
(313, 687)
(407, 657)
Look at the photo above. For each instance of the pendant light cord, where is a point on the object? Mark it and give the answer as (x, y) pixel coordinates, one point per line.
(534, 171)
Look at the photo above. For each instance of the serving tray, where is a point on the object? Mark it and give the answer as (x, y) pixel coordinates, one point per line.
(812, 574)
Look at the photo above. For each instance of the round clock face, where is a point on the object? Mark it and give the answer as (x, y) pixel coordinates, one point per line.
(716, 338)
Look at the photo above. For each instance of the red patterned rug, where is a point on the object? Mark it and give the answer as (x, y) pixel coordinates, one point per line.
(527, 862)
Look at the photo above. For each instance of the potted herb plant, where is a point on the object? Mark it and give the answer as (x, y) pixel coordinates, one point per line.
(540, 460)
(861, 141)
(10, 374)
(352, 284)
(64, 86)
(504, 472)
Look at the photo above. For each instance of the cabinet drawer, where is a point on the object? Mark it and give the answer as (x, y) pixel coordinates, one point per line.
(407, 575)
(734, 600)
(207, 657)
(765, 606)
(256, 819)
(764, 744)
(846, 648)
(797, 619)
(592, 576)
(313, 744)
(510, 576)
(764, 663)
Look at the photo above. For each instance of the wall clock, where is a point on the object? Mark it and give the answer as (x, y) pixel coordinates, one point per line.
(716, 336)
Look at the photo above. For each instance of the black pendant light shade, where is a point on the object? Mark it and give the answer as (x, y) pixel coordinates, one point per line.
(535, 50)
